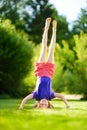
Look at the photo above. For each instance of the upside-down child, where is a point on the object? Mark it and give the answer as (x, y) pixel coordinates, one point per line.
(44, 71)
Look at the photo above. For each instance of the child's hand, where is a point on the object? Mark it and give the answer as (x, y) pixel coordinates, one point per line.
(21, 107)
(68, 107)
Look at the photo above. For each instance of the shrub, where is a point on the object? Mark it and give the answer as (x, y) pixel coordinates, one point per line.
(15, 58)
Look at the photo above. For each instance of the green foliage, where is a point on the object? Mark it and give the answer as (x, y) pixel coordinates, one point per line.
(15, 58)
(71, 71)
(62, 29)
(30, 80)
(9, 9)
(81, 62)
(71, 66)
(64, 59)
(81, 22)
(16, 61)
(68, 66)
(30, 15)
(42, 9)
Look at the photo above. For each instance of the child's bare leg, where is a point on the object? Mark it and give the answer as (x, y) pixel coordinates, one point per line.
(30, 96)
(44, 41)
(63, 98)
(52, 44)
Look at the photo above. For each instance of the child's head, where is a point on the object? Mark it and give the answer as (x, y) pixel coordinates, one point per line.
(44, 103)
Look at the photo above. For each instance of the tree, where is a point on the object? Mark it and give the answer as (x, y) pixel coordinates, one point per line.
(41, 9)
(30, 15)
(64, 59)
(81, 63)
(71, 73)
(9, 10)
(63, 31)
(81, 22)
(13, 9)
(15, 58)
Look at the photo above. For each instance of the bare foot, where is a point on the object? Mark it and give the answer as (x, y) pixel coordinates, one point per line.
(54, 24)
(47, 23)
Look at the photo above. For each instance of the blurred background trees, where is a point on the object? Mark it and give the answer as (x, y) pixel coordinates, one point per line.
(15, 58)
(20, 38)
(71, 71)
(81, 22)
(30, 15)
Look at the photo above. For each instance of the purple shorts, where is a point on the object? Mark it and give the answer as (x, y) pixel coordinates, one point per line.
(43, 89)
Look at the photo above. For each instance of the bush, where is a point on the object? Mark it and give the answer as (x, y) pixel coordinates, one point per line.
(30, 80)
(64, 59)
(15, 58)
(71, 71)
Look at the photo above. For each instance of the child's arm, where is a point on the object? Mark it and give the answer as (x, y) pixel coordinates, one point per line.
(30, 96)
(63, 98)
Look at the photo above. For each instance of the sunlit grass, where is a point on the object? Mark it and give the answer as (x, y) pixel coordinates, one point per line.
(59, 118)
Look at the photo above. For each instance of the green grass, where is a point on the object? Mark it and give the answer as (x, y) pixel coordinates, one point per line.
(59, 118)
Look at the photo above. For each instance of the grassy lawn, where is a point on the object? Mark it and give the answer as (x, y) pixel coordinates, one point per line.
(59, 118)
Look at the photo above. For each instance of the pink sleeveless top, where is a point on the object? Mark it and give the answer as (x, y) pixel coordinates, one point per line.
(44, 69)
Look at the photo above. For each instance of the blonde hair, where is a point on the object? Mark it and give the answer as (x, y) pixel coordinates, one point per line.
(38, 105)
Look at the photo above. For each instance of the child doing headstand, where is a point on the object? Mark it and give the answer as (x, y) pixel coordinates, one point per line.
(44, 71)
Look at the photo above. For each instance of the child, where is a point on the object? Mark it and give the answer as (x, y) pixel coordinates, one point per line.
(44, 71)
